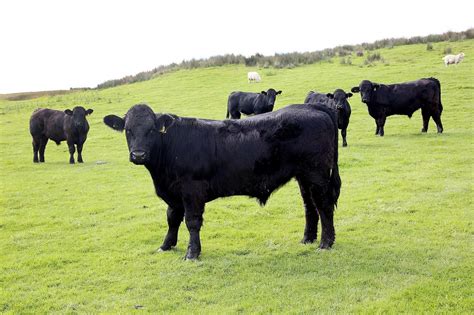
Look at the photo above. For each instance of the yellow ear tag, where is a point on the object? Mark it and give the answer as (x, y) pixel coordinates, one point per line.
(163, 129)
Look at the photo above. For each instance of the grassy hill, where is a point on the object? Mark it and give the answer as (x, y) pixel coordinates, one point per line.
(82, 238)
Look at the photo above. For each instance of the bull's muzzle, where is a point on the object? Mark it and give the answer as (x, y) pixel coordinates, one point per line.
(138, 157)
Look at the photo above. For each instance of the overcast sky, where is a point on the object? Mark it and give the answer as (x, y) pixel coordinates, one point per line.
(60, 44)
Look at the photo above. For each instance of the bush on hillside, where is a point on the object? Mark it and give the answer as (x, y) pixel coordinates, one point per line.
(295, 59)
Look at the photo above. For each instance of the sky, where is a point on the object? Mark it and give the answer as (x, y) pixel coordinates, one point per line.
(59, 44)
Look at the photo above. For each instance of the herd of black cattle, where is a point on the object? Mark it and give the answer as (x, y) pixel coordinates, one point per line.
(193, 161)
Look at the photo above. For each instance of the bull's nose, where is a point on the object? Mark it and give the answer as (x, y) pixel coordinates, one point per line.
(137, 156)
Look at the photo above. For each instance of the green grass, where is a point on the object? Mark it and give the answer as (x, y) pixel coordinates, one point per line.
(82, 238)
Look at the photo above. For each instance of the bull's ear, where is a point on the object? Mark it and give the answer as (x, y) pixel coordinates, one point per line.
(329, 95)
(348, 95)
(114, 122)
(355, 89)
(279, 92)
(68, 112)
(375, 86)
(164, 122)
(89, 111)
(263, 92)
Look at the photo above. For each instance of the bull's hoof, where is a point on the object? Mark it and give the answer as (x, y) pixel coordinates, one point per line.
(325, 245)
(191, 255)
(71, 162)
(80, 161)
(162, 250)
(35, 161)
(423, 130)
(307, 240)
(344, 144)
(165, 247)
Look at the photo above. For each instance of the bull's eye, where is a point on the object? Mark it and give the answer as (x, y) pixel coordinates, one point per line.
(150, 132)
(129, 132)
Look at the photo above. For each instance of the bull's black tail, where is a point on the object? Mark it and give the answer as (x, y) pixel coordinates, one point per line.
(440, 105)
(335, 179)
(227, 115)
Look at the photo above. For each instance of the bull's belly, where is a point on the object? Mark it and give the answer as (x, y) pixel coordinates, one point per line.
(404, 111)
(247, 111)
(258, 186)
(56, 138)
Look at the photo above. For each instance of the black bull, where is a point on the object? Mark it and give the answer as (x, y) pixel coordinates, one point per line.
(193, 161)
(338, 102)
(402, 99)
(70, 125)
(250, 103)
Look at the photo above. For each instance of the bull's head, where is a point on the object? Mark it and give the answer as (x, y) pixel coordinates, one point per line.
(339, 98)
(366, 89)
(142, 127)
(78, 115)
(270, 96)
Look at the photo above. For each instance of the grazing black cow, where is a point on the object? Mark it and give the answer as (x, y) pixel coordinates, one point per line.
(402, 99)
(193, 161)
(250, 103)
(337, 101)
(70, 125)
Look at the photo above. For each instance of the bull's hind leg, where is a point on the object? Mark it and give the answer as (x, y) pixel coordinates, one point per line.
(234, 114)
(193, 211)
(42, 148)
(311, 215)
(175, 217)
(426, 119)
(437, 119)
(325, 209)
(36, 146)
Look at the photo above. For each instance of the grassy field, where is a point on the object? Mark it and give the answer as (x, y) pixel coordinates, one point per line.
(82, 238)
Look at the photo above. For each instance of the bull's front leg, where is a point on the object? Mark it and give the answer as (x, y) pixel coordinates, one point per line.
(311, 215)
(79, 152)
(343, 134)
(380, 125)
(72, 150)
(193, 211)
(175, 216)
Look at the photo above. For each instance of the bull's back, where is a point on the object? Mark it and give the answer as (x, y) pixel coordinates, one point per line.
(406, 98)
(48, 123)
(283, 136)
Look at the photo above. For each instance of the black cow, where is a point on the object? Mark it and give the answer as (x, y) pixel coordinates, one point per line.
(250, 103)
(58, 126)
(337, 101)
(193, 161)
(402, 99)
